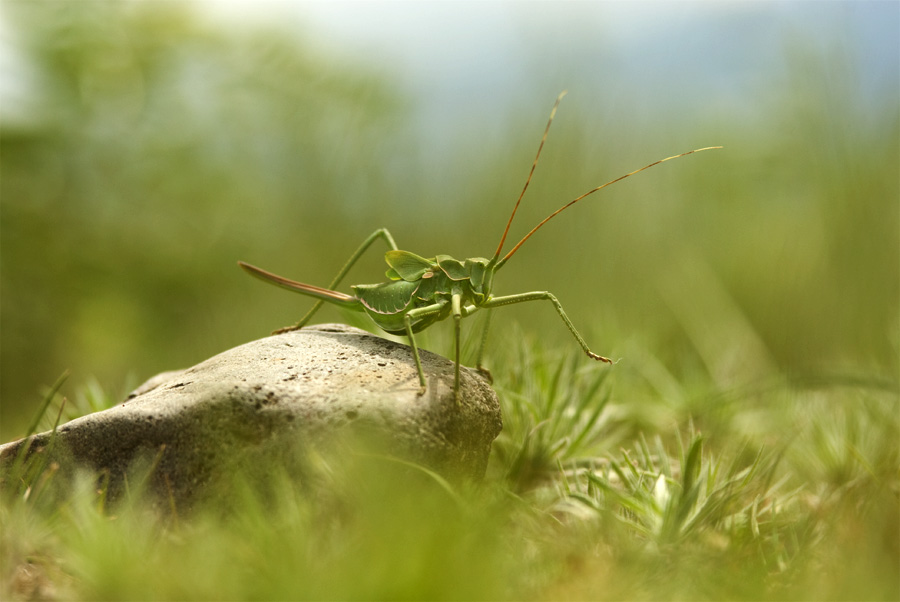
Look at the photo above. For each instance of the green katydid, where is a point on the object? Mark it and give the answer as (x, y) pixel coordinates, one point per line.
(420, 291)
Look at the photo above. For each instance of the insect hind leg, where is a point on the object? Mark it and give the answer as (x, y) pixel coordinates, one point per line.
(379, 233)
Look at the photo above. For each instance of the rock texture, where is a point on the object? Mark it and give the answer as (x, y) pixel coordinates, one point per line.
(297, 390)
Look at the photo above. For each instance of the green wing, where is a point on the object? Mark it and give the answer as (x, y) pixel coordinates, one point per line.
(407, 266)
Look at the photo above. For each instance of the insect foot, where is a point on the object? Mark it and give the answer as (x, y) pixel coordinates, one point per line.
(267, 405)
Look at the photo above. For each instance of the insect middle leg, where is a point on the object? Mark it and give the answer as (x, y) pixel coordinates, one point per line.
(479, 360)
(408, 319)
(542, 296)
(380, 233)
(456, 312)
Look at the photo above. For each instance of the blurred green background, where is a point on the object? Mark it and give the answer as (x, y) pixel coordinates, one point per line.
(147, 146)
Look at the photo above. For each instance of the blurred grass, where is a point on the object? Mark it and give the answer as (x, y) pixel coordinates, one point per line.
(744, 447)
(796, 496)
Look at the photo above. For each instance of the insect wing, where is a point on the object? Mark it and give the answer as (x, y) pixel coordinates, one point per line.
(408, 266)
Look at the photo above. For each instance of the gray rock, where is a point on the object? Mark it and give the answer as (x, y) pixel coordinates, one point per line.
(258, 403)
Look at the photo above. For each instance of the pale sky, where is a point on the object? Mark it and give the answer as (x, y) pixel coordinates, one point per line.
(453, 58)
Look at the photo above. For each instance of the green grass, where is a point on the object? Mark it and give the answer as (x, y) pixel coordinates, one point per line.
(585, 498)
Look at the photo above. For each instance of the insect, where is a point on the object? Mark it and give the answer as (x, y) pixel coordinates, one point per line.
(421, 291)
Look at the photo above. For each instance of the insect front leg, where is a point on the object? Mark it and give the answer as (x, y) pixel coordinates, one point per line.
(541, 296)
(380, 233)
(408, 318)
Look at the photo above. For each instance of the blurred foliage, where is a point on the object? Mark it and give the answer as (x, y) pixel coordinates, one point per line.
(159, 149)
(160, 152)
(795, 497)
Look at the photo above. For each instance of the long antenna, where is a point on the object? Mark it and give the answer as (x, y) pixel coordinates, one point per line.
(531, 173)
(589, 192)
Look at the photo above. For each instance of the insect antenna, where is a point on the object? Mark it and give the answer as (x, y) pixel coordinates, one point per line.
(589, 192)
(530, 173)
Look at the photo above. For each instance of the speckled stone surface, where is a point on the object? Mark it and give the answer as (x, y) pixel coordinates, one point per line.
(303, 387)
